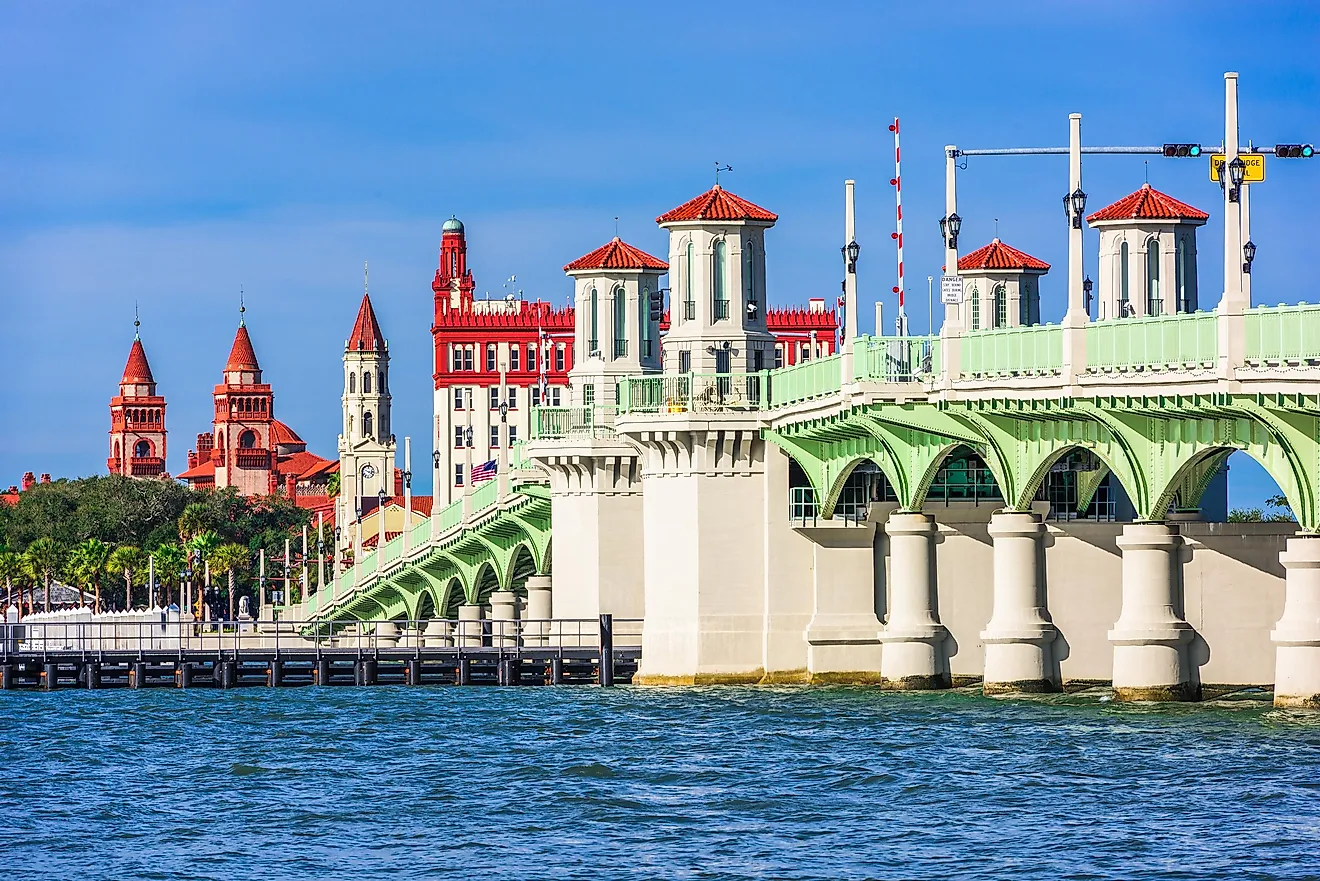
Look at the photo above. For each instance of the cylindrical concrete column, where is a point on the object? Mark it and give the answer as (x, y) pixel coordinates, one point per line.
(1018, 654)
(469, 625)
(1151, 638)
(913, 655)
(436, 634)
(387, 634)
(504, 617)
(1297, 635)
(540, 609)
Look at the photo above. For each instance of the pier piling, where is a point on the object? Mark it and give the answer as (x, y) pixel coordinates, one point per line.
(606, 650)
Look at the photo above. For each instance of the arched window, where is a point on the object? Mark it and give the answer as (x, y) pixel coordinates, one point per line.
(689, 305)
(384, 386)
(366, 425)
(1001, 306)
(352, 383)
(749, 272)
(366, 382)
(593, 338)
(116, 449)
(644, 320)
(719, 288)
(620, 322)
(247, 440)
(1154, 301)
(453, 263)
(1123, 281)
(976, 308)
(141, 450)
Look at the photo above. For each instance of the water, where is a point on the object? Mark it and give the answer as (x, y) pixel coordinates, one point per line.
(624, 783)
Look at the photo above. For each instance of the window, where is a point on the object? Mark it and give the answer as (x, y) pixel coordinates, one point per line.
(536, 396)
(804, 353)
(467, 358)
(494, 436)
(620, 303)
(749, 272)
(366, 424)
(1024, 305)
(494, 397)
(458, 398)
(1123, 281)
(1154, 300)
(513, 434)
(589, 394)
(976, 308)
(779, 355)
(352, 383)
(689, 304)
(142, 450)
(644, 320)
(453, 271)
(685, 361)
(491, 366)
(248, 439)
(384, 386)
(458, 475)
(1180, 275)
(719, 288)
(554, 397)
(366, 382)
(515, 354)
(559, 357)
(758, 359)
(531, 357)
(458, 437)
(721, 360)
(512, 397)
(593, 338)
(1001, 306)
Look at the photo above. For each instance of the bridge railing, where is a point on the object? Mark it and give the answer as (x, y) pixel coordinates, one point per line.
(421, 532)
(693, 393)
(1163, 342)
(1283, 334)
(897, 359)
(1030, 350)
(393, 550)
(485, 495)
(803, 381)
(565, 422)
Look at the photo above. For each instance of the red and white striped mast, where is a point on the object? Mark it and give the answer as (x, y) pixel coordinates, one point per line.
(897, 182)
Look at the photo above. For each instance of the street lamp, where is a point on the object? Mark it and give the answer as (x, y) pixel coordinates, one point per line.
(1237, 171)
(407, 479)
(1248, 255)
(1074, 206)
(1087, 286)
(467, 435)
(435, 460)
(380, 498)
(950, 226)
(850, 252)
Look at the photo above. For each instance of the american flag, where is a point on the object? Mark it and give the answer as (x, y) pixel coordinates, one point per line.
(483, 472)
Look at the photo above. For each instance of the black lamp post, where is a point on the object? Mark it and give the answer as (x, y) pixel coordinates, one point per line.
(1087, 286)
(1237, 172)
(435, 460)
(950, 226)
(407, 479)
(850, 252)
(1074, 206)
(1248, 255)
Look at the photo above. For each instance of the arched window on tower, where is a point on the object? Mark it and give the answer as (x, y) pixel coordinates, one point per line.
(749, 275)
(1124, 280)
(352, 383)
(366, 382)
(1154, 300)
(593, 340)
(247, 440)
(1000, 296)
(1180, 271)
(141, 450)
(644, 321)
(116, 450)
(976, 308)
(453, 263)
(620, 308)
(366, 425)
(689, 304)
(719, 289)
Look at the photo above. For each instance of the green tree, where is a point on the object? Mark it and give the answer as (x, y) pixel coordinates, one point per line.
(130, 562)
(169, 567)
(333, 485)
(12, 570)
(87, 566)
(228, 560)
(44, 558)
(194, 520)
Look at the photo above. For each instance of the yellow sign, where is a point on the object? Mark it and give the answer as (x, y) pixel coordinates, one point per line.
(1255, 171)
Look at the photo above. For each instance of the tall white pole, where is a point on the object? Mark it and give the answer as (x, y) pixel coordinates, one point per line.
(930, 305)
(306, 574)
(1075, 319)
(952, 327)
(407, 491)
(151, 580)
(502, 472)
(1233, 300)
(849, 287)
(261, 582)
(1244, 203)
(320, 551)
(901, 325)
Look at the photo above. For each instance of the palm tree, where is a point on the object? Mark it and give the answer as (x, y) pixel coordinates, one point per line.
(44, 558)
(169, 565)
(11, 570)
(201, 546)
(332, 485)
(195, 519)
(130, 560)
(87, 565)
(227, 560)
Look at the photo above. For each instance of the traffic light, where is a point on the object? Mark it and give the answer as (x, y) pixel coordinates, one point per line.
(657, 305)
(1182, 151)
(1294, 151)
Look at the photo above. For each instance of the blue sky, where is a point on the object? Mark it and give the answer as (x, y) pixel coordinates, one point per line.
(167, 153)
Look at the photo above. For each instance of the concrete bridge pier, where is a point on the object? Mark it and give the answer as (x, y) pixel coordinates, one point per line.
(504, 617)
(540, 609)
(469, 625)
(1151, 638)
(1297, 635)
(1019, 656)
(436, 634)
(914, 656)
(843, 642)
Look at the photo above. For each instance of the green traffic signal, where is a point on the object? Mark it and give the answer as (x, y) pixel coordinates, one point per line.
(1194, 150)
(1307, 151)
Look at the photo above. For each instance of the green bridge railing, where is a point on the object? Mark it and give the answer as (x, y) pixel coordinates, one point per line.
(1033, 350)
(1283, 334)
(1165, 342)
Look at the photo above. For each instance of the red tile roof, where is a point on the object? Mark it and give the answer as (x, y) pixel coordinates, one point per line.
(283, 434)
(717, 204)
(997, 255)
(1148, 203)
(241, 356)
(304, 464)
(205, 468)
(137, 370)
(617, 254)
(366, 332)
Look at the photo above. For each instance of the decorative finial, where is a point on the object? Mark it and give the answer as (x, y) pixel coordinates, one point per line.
(996, 227)
(718, 169)
(1146, 162)
(616, 226)
(365, 288)
(136, 320)
(241, 308)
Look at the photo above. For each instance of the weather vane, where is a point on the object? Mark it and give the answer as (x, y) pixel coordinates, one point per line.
(718, 169)
(365, 287)
(241, 307)
(136, 320)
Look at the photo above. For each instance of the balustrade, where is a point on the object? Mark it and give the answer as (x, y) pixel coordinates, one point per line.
(1283, 334)
(1164, 342)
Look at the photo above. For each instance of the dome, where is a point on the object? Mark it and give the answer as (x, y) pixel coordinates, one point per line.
(453, 224)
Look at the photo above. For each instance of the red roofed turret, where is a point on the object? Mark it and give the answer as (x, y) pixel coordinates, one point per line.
(241, 356)
(137, 371)
(617, 254)
(366, 330)
(717, 203)
(137, 420)
(998, 255)
(1149, 203)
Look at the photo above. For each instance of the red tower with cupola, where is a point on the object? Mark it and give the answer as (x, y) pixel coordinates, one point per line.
(137, 420)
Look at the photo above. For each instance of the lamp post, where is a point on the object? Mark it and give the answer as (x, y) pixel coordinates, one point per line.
(1237, 172)
(1087, 286)
(1248, 256)
(930, 305)
(407, 493)
(380, 529)
(1074, 206)
(334, 570)
(850, 252)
